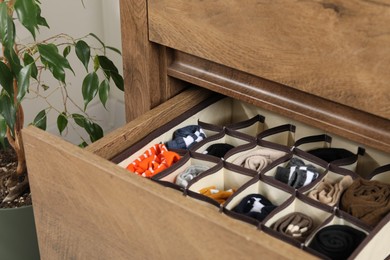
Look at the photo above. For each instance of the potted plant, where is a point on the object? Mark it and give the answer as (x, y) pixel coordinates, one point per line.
(22, 67)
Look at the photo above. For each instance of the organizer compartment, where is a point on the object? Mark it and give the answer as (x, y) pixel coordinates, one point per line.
(258, 185)
(313, 211)
(226, 177)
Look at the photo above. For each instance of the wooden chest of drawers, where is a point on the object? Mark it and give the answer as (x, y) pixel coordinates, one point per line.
(319, 63)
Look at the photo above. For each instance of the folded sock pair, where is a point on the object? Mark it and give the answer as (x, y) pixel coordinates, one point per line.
(219, 195)
(258, 159)
(191, 172)
(329, 192)
(154, 160)
(367, 200)
(255, 206)
(296, 225)
(186, 137)
(297, 174)
(337, 241)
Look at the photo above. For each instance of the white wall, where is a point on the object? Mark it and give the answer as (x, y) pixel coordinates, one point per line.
(100, 17)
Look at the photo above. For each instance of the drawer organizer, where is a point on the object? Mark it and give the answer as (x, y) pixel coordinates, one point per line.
(287, 179)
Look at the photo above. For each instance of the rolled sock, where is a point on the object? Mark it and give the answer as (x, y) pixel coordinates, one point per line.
(216, 194)
(186, 137)
(367, 200)
(337, 241)
(330, 193)
(296, 225)
(191, 172)
(154, 160)
(258, 159)
(296, 174)
(331, 154)
(218, 150)
(255, 206)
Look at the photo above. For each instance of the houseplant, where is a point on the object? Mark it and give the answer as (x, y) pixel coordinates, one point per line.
(22, 67)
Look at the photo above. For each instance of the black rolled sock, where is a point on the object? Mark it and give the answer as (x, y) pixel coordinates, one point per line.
(337, 241)
(218, 150)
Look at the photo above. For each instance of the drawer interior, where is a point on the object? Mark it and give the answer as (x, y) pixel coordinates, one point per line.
(127, 211)
(246, 127)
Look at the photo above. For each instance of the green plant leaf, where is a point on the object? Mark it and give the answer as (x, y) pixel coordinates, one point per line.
(7, 27)
(97, 38)
(79, 119)
(13, 59)
(110, 70)
(114, 49)
(62, 122)
(7, 109)
(56, 63)
(96, 64)
(6, 79)
(40, 120)
(118, 80)
(107, 66)
(3, 131)
(90, 87)
(41, 20)
(27, 12)
(23, 82)
(104, 90)
(94, 130)
(28, 59)
(83, 52)
(83, 145)
(66, 51)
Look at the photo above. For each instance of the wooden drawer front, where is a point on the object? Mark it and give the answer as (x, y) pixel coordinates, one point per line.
(338, 50)
(89, 208)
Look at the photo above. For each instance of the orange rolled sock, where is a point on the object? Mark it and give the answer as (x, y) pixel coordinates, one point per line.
(152, 161)
(215, 194)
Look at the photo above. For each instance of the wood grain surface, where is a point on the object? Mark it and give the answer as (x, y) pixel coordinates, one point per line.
(339, 50)
(334, 118)
(89, 208)
(146, 85)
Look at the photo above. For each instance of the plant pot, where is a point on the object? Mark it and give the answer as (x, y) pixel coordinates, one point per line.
(18, 238)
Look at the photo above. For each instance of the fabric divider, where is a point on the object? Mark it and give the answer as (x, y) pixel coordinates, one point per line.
(218, 184)
(297, 169)
(381, 174)
(339, 237)
(282, 134)
(191, 165)
(322, 147)
(253, 201)
(296, 219)
(219, 144)
(257, 155)
(329, 189)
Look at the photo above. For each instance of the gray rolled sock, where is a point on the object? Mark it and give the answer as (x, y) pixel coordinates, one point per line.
(191, 172)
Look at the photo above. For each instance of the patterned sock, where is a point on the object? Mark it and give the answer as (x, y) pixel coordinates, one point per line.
(255, 206)
(186, 137)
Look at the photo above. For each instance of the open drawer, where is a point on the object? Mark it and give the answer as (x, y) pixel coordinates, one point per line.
(87, 207)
